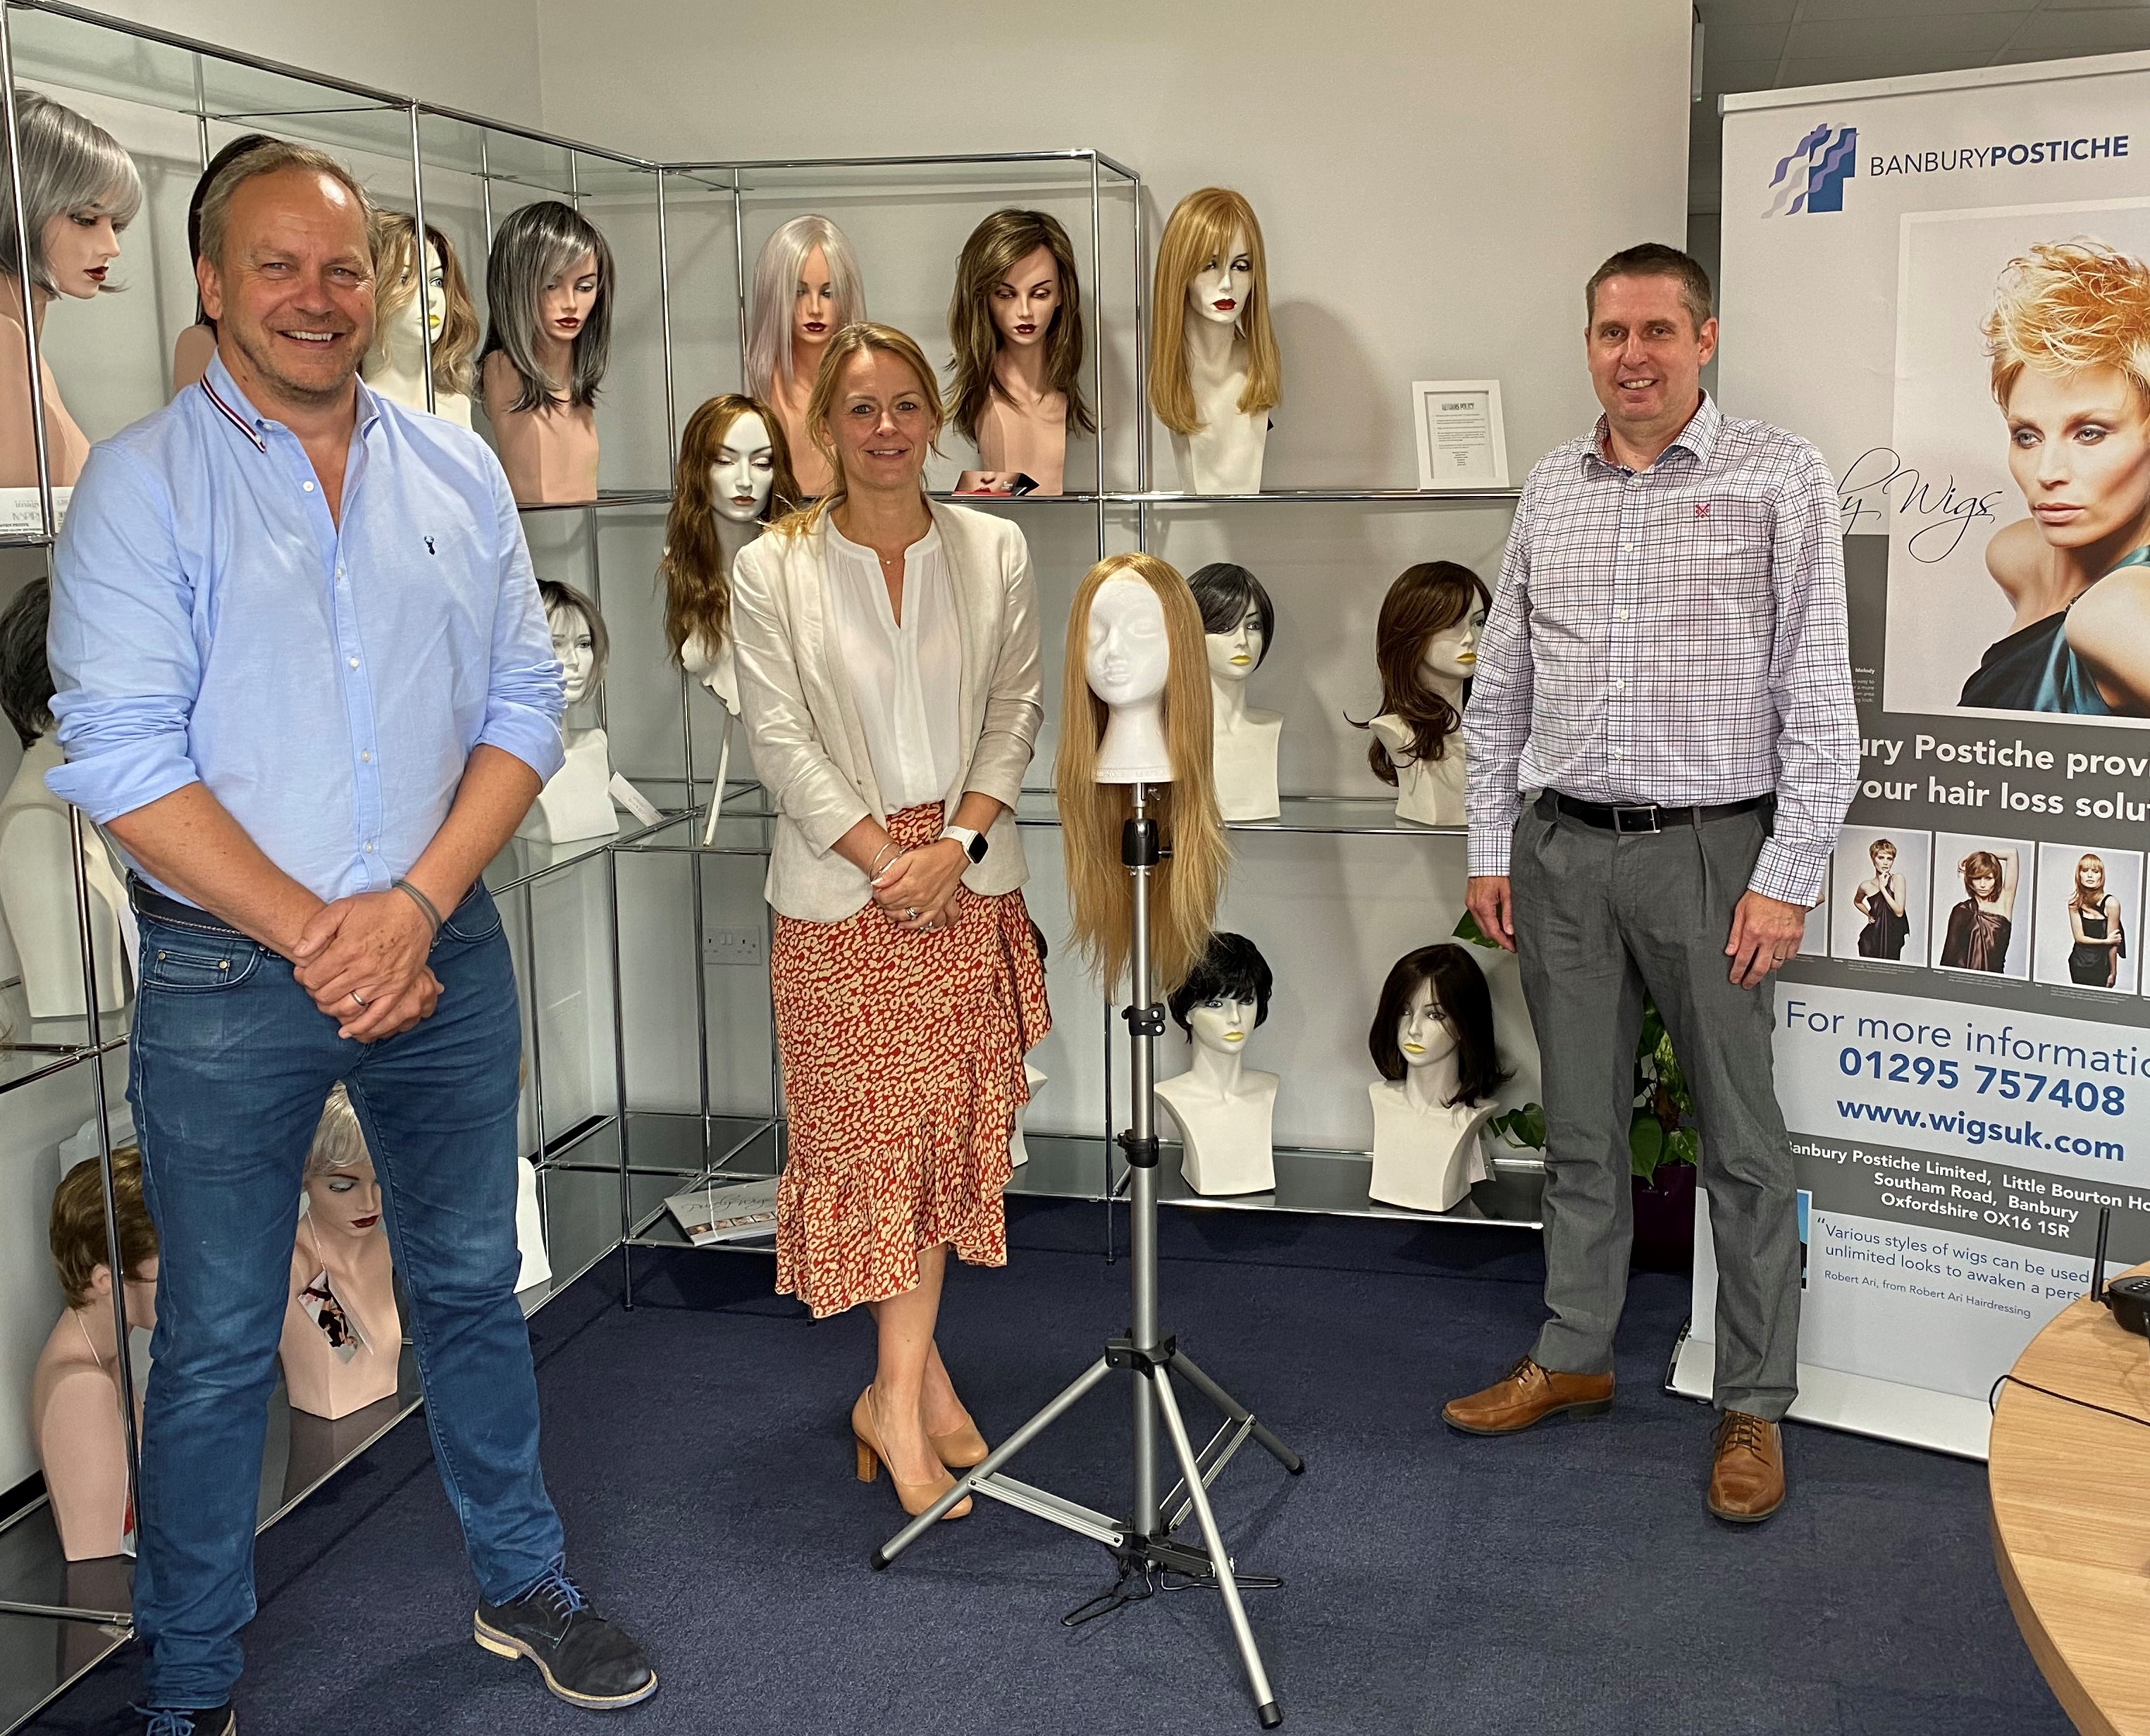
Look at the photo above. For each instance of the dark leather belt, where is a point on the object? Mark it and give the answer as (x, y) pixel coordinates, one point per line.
(1649, 819)
(149, 902)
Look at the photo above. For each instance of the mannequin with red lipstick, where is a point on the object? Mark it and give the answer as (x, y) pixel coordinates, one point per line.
(343, 1334)
(549, 289)
(1214, 374)
(1015, 324)
(807, 288)
(79, 191)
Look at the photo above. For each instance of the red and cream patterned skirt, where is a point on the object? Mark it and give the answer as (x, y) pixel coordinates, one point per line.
(902, 1059)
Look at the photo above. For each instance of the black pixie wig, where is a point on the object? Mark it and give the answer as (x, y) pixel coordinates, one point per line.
(1466, 1007)
(1232, 969)
(1223, 591)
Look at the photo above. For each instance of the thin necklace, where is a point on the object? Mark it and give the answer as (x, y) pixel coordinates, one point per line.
(94, 1356)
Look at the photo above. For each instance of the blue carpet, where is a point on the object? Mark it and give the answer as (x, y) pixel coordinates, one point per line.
(1568, 1580)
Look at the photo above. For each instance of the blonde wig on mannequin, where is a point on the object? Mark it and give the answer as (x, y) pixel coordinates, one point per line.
(697, 589)
(996, 247)
(1199, 229)
(397, 281)
(776, 286)
(1187, 884)
(855, 340)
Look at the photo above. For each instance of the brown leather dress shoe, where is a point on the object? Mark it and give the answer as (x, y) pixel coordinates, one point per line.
(1528, 1394)
(1747, 1482)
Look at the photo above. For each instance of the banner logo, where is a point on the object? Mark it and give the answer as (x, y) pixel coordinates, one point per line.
(1811, 177)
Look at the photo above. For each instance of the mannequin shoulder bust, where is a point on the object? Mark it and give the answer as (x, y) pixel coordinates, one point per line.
(550, 454)
(80, 1444)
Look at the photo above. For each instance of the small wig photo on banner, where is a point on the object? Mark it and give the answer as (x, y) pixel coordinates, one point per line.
(2019, 554)
(1881, 880)
(2088, 902)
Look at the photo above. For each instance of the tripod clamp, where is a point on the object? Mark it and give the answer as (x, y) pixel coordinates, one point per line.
(1123, 1352)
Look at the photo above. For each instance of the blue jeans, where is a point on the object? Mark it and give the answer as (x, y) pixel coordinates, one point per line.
(231, 1064)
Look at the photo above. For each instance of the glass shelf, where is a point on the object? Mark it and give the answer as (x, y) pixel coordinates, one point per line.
(35, 1049)
(58, 44)
(606, 497)
(747, 806)
(525, 859)
(993, 171)
(1310, 497)
(457, 143)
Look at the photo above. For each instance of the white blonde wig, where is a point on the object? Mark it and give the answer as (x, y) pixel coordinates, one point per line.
(776, 287)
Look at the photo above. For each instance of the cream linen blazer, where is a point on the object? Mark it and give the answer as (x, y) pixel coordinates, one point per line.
(803, 726)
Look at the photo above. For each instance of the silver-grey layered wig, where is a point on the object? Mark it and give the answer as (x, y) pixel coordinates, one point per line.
(339, 1141)
(69, 165)
(776, 287)
(536, 243)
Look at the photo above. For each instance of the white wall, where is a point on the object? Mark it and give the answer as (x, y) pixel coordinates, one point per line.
(1435, 181)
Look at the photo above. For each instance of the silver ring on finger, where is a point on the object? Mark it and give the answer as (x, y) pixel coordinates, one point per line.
(910, 912)
(359, 998)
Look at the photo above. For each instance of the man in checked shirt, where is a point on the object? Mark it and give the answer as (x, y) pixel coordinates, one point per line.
(1666, 667)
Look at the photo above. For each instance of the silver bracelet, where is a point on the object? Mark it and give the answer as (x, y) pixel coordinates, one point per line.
(874, 872)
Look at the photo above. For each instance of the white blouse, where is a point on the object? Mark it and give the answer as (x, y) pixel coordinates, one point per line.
(905, 678)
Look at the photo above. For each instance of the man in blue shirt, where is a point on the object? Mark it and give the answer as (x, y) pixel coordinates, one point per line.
(304, 680)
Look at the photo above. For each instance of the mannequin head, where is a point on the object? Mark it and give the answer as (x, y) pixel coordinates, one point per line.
(580, 639)
(1212, 247)
(26, 678)
(343, 1197)
(731, 444)
(549, 266)
(869, 367)
(1127, 660)
(449, 309)
(1225, 996)
(1425, 641)
(238, 148)
(1238, 621)
(1185, 888)
(1016, 286)
(1434, 1008)
(80, 190)
(76, 1234)
(793, 290)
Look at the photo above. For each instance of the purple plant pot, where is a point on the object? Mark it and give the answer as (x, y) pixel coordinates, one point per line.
(1664, 1220)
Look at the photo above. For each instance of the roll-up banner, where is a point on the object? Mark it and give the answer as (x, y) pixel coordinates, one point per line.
(1944, 282)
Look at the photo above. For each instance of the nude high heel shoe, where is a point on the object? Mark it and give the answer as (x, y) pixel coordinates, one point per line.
(915, 1497)
(960, 1448)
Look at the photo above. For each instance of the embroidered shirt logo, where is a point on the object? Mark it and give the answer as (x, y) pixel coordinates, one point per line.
(430, 549)
(1701, 511)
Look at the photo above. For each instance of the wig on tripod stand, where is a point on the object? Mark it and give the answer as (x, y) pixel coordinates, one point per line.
(1146, 856)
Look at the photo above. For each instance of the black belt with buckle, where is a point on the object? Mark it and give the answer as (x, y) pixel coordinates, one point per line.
(1647, 818)
(149, 902)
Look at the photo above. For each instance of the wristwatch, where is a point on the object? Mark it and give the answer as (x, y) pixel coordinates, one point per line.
(974, 843)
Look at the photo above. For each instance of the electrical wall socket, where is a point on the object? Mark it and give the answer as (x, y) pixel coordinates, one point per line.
(732, 947)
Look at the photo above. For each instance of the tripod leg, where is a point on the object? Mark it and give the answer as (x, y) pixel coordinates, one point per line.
(1183, 1364)
(1167, 1408)
(993, 1462)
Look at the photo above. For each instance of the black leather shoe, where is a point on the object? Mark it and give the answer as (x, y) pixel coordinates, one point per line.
(171, 1722)
(585, 1659)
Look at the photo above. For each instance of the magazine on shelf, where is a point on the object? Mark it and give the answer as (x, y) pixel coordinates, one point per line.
(730, 1211)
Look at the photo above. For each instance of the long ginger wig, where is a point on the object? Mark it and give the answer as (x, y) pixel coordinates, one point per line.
(697, 587)
(1187, 884)
(1200, 230)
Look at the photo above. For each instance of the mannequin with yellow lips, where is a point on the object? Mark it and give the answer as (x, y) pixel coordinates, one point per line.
(1239, 625)
(1223, 1109)
(1434, 1027)
(1426, 645)
(343, 1333)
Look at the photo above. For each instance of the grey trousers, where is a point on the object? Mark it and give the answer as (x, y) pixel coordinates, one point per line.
(1599, 915)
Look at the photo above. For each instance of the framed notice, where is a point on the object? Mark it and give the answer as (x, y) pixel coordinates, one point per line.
(1462, 443)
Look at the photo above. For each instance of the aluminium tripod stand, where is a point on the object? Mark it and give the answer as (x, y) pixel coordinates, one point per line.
(1143, 1546)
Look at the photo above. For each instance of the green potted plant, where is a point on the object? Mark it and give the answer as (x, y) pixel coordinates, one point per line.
(1661, 1141)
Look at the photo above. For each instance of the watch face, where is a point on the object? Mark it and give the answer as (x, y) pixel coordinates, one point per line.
(977, 848)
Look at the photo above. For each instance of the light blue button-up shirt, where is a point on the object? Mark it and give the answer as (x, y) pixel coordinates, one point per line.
(211, 623)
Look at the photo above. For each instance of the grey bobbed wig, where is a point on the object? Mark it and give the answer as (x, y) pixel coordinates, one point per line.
(776, 287)
(535, 244)
(68, 165)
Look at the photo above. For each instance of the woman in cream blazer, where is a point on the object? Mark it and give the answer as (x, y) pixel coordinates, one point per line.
(889, 676)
